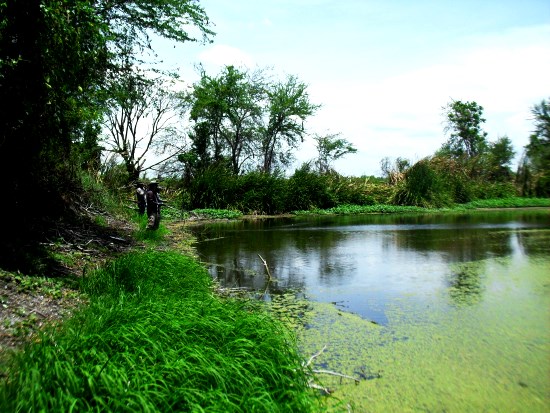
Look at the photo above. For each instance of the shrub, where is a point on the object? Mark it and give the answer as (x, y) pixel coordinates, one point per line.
(212, 188)
(422, 187)
(308, 189)
(260, 193)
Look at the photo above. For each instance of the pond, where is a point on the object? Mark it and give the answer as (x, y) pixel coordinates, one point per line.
(438, 312)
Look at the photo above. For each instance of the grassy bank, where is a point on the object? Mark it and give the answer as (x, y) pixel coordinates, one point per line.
(155, 338)
(515, 202)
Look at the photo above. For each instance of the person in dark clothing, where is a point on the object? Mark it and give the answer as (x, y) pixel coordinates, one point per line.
(153, 206)
(140, 198)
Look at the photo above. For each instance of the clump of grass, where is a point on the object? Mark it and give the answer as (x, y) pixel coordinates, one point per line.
(146, 235)
(399, 209)
(155, 338)
(363, 209)
(515, 202)
(217, 213)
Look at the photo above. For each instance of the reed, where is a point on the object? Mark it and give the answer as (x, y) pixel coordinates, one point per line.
(155, 338)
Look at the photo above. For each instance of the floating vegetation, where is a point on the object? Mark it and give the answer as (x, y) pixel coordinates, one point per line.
(465, 282)
(481, 355)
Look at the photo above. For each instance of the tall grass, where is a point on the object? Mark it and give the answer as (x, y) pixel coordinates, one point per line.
(512, 202)
(156, 339)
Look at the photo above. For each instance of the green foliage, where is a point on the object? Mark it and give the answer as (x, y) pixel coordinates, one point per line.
(499, 157)
(467, 139)
(211, 188)
(348, 190)
(308, 189)
(364, 209)
(283, 129)
(242, 116)
(331, 148)
(55, 52)
(491, 190)
(55, 58)
(511, 202)
(155, 338)
(209, 213)
(422, 187)
(534, 169)
(260, 193)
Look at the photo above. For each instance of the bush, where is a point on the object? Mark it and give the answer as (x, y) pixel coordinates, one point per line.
(422, 187)
(308, 189)
(260, 193)
(348, 190)
(212, 188)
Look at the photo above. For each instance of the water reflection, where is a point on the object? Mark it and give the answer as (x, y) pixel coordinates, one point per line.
(364, 262)
(460, 302)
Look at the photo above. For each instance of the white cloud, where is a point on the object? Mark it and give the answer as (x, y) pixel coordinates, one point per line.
(403, 116)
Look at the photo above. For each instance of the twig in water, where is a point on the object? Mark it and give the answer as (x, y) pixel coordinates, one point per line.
(266, 267)
(315, 355)
(334, 373)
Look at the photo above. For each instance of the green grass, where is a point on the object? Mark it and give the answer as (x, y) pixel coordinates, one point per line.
(217, 213)
(515, 202)
(155, 338)
(149, 237)
(397, 209)
(363, 209)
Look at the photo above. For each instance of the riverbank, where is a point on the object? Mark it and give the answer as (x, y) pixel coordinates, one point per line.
(28, 302)
(34, 302)
(155, 337)
(148, 332)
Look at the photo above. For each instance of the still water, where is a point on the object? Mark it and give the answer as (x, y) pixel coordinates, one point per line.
(432, 312)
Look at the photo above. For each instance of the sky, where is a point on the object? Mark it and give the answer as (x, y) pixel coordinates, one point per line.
(383, 70)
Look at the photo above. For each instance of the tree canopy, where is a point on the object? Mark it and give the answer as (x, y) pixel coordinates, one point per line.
(243, 118)
(534, 169)
(55, 56)
(330, 148)
(467, 138)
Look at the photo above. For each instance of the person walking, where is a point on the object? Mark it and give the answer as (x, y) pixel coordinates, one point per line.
(141, 198)
(153, 205)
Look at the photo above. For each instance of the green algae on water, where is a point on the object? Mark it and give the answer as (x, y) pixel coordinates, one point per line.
(461, 352)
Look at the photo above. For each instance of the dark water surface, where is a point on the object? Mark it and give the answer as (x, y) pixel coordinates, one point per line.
(450, 312)
(363, 262)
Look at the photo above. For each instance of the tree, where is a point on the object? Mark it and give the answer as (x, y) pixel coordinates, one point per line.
(230, 105)
(331, 148)
(140, 117)
(535, 166)
(467, 140)
(54, 59)
(499, 159)
(242, 116)
(288, 108)
(538, 148)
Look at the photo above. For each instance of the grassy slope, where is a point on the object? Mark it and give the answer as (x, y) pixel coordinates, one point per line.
(156, 338)
(136, 345)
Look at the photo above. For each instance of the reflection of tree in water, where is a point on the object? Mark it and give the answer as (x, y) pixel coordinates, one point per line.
(534, 242)
(465, 283)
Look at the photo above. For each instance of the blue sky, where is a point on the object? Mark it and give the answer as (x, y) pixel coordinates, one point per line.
(384, 69)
